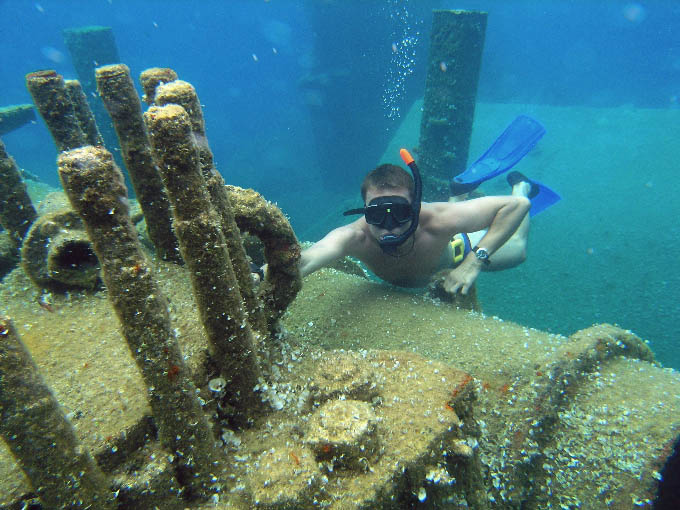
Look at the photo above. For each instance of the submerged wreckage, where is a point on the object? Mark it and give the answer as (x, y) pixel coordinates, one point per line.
(191, 387)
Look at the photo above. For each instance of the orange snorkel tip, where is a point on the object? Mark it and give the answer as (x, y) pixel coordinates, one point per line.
(406, 156)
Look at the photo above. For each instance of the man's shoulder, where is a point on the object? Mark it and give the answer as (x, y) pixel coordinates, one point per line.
(351, 233)
(441, 219)
(434, 211)
(354, 238)
(434, 208)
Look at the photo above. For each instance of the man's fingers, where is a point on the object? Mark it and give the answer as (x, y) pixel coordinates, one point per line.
(452, 289)
(458, 286)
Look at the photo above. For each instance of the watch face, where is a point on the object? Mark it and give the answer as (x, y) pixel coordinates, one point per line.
(482, 254)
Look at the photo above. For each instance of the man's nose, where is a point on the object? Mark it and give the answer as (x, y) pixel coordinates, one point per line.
(389, 222)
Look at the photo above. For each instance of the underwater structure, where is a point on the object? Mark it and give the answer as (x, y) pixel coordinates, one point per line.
(91, 47)
(179, 383)
(16, 211)
(15, 116)
(453, 68)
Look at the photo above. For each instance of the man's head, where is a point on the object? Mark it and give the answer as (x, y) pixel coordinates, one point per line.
(387, 192)
(391, 204)
(385, 180)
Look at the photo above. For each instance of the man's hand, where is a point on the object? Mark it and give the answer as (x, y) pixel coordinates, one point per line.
(464, 276)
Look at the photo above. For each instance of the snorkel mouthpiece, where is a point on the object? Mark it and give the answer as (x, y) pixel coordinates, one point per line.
(390, 242)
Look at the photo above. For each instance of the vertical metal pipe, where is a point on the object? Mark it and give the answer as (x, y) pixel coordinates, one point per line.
(97, 192)
(40, 437)
(205, 252)
(122, 102)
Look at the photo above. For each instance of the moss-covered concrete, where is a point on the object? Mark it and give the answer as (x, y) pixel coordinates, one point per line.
(16, 209)
(552, 411)
(42, 440)
(14, 116)
(57, 254)
(9, 256)
(205, 252)
(183, 94)
(83, 112)
(151, 78)
(259, 217)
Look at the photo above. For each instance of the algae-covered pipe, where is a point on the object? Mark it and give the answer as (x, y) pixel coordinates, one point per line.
(42, 440)
(204, 249)
(263, 219)
(83, 112)
(152, 78)
(54, 104)
(183, 93)
(120, 98)
(97, 192)
(16, 209)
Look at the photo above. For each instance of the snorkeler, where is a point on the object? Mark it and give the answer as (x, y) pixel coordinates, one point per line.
(405, 242)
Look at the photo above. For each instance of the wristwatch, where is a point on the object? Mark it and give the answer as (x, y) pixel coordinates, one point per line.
(481, 254)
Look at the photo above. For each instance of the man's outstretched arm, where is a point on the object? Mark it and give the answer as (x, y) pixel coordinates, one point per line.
(329, 249)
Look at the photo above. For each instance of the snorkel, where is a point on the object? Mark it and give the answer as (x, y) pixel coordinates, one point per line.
(391, 242)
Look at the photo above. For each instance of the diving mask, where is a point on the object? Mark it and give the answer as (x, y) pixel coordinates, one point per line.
(386, 212)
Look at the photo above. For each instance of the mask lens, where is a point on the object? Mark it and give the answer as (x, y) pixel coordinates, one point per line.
(375, 214)
(401, 213)
(395, 209)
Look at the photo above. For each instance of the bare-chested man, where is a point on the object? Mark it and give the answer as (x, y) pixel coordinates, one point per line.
(498, 227)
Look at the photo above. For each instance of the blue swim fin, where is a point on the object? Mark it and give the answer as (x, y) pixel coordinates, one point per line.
(541, 196)
(543, 199)
(508, 149)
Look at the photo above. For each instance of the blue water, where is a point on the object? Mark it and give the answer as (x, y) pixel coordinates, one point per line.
(301, 99)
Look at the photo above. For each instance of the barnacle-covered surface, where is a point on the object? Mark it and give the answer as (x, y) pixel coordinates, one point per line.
(586, 420)
(445, 395)
(74, 340)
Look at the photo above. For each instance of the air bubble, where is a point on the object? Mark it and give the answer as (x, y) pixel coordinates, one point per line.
(405, 37)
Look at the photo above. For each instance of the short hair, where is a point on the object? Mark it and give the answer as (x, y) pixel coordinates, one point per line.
(387, 176)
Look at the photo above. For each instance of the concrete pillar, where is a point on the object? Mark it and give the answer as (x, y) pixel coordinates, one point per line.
(456, 44)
